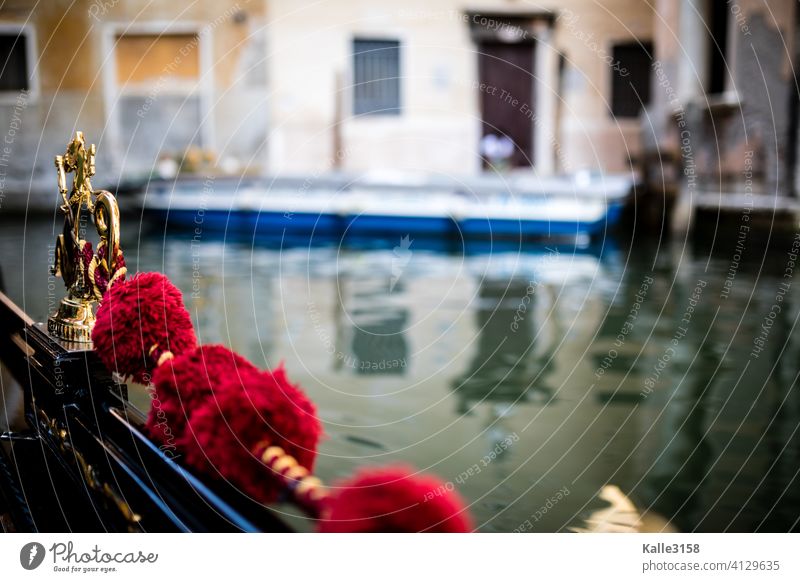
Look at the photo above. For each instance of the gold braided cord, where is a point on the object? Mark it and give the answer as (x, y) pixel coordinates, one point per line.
(92, 269)
(287, 467)
(118, 274)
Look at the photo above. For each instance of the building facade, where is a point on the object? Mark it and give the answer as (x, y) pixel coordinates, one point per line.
(144, 81)
(722, 127)
(275, 87)
(446, 74)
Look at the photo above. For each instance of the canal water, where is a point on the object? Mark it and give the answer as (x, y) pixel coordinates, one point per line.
(557, 388)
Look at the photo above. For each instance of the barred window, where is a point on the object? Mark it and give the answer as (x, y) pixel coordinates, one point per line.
(376, 77)
(13, 62)
(630, 85)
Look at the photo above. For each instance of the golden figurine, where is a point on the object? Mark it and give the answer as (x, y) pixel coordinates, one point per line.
(87, 275)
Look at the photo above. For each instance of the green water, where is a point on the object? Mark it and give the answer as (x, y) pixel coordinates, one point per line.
(528, 379)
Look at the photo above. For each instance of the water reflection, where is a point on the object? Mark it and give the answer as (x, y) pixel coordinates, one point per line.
(481, 364)
(378, 343)
(676, 483)
(508, 367)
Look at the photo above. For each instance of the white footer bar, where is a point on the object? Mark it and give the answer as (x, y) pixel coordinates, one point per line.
(300, 557)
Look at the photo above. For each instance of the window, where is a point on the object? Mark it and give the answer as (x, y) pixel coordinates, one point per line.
(718, 46)
(14, 61)
(376, 77)
(630, 85)
(157, 58)
(159, 91)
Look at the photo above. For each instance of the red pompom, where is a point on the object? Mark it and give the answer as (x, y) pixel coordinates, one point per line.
(227, 428)
(393, 499)
(182, 384)
(136, 315)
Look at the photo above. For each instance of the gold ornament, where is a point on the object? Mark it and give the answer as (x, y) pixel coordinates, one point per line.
(87, 275)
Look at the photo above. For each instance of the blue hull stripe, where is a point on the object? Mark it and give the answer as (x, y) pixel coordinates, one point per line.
(253, 222)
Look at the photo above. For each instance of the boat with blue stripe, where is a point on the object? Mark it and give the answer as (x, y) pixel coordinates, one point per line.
(341, 207)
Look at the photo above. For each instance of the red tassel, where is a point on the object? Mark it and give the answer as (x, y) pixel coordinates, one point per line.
(184, 383)
(393, 499)
(139, 320)
(225, 433)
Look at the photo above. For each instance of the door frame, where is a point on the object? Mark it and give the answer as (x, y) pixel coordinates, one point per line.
(112, 91)
(538, 27)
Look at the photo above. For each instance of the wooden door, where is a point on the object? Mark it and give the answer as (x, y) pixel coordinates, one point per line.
(506, 96)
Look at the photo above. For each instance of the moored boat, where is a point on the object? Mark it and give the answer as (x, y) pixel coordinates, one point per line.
(341, 207)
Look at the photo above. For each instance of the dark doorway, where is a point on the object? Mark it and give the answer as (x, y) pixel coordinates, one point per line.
(506, 96)
(718, 46)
